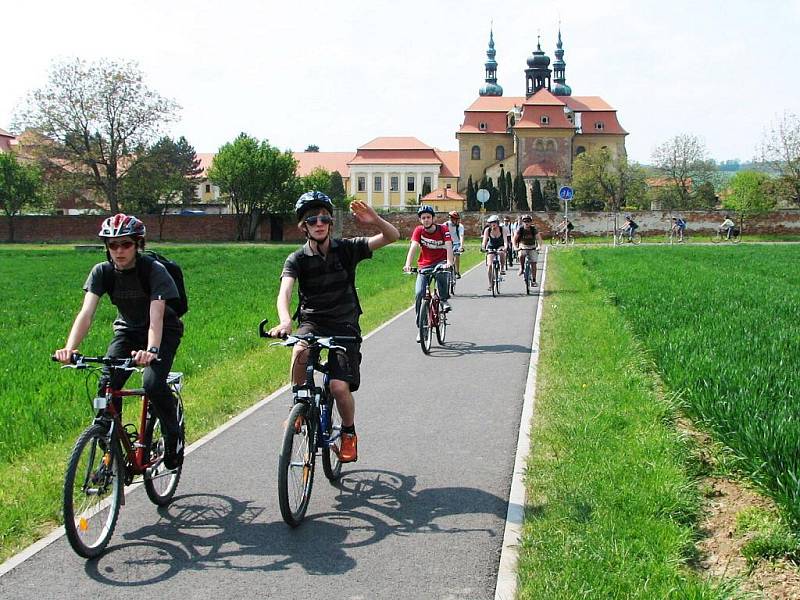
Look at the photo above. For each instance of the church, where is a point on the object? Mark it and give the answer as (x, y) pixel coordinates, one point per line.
(538, 135)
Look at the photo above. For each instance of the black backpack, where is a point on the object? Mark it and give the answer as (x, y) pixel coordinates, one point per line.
(144, 264)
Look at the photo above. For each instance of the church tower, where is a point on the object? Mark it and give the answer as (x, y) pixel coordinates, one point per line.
(537, 75)
(559, 67)
(491, 88)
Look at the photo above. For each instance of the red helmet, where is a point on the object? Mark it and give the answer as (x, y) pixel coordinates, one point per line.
(454, 214)
(121, 225)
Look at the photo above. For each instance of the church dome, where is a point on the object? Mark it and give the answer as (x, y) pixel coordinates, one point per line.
(491, 89)
(538, 59)
(562, 89)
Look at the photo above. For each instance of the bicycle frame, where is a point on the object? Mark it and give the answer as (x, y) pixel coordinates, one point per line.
(433, 297)
(311, 394)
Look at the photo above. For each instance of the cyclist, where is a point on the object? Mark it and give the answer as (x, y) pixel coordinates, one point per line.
(727, 226)
(457, 236)
(325, 270)
(508, 237)
(629, 227)
(527, 241)
(494, 241)
(435, 247)
(678, 227)
(564, 229)
(146, 328)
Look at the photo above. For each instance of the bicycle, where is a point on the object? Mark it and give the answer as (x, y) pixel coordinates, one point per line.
(431, 314)
(452, 281)
(623, 238)
(314, 425)
(494, 272)
(674, 236)
(528, 273)
(564, 238)
(721, 236)
(108, 456)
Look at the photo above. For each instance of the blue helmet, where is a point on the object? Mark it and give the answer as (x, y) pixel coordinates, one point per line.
(426, 208)
(311, 200)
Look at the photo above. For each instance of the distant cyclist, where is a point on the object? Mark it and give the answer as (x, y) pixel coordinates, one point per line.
(629, 227)
(508, 233)
(435, 247)
(494, 240)
(528, 240)
(678, 227)
(146, 328)
(457, 236)
(728, 227)
(564, 229)
(325, 270)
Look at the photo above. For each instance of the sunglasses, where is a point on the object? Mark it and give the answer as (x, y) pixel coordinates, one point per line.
(318, 219)
(117, 245)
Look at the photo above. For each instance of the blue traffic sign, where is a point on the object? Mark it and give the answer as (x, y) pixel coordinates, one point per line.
(565, 192)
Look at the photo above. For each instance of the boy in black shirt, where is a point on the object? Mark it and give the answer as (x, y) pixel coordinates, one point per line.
(325, 270)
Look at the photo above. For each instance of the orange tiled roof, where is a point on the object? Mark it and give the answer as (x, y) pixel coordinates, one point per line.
(495, 103)
(544, 169)
(543, 98)
(4, 133)
(532, 117)
(494, 122)
(586, 103)
(450, 163)
(395, 143)
(330, 161)
(443, 194)
(609, 120)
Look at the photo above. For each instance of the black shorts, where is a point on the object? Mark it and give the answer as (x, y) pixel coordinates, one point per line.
(344, 366)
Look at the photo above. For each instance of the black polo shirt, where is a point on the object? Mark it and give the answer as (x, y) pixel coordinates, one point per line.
(327, 284)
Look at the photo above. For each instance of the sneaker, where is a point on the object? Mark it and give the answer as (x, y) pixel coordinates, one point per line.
(348, 451)
(419, 337)
(446, 306)
(535, 284)
(503, 272)
(458, 275)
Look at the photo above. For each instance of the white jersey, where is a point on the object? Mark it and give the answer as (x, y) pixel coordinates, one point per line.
(456, 233)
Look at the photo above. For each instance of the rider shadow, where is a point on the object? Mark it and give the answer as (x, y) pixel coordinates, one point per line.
(454, 348)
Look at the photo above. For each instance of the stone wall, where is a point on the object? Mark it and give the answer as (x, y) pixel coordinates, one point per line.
(222, 228)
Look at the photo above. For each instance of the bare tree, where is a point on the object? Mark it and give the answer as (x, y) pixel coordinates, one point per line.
(780, 150)
(94, 117)
(683, 161)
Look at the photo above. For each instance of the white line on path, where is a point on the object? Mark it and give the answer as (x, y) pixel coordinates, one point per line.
(506, 588)
(51, 537)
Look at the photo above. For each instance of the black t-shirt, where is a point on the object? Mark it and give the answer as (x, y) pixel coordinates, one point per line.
(132, 302)
(326, 288)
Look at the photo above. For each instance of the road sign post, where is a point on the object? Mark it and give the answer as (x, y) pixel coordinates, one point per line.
(565, 193)
(483, 197)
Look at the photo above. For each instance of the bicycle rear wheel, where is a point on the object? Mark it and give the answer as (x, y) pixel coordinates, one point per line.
(425, 333)
(331, 464)
(496, 290)
(92, 491)
(160, 482)
(527, 276)
(441, 327)
(637, 239)
(296, 465)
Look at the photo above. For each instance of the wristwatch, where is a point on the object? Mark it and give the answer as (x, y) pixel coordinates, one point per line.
(153, 349)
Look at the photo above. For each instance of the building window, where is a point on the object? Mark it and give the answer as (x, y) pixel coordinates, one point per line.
(208, 188)
(449, 186)
(482, 126)
(394, 183)
(599, 126)
(377, 183)
(476, 153)
(579, 150)
(550, 145)
(539, 145)
(500, 153)
(410, 183)
(362, 183)
(545, 120)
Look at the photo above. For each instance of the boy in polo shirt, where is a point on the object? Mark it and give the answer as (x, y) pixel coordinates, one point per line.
(435, 246)
(325, 270)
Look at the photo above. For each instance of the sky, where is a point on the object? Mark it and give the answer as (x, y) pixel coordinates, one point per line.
(339, 74)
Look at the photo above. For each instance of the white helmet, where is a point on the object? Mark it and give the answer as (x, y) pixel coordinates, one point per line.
(493, 219)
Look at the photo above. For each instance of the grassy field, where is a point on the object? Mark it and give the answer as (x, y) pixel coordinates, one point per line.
(227, 367)
(611, 502)
(721, 325)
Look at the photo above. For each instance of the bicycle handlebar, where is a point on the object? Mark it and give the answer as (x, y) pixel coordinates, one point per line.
(79, 361)
(440, 268)
(324, 340)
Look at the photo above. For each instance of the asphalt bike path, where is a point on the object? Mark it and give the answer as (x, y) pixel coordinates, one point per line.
(421, 514)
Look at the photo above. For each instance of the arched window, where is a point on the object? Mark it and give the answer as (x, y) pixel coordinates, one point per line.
(500, 153)
(579, 150)
(550, 145)
(476, 153)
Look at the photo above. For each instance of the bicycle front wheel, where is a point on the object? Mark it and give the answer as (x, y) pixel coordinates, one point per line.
(92, 491)
(296, 465)
(496, 291)
(636, 239)
(441, 327)
(425, 333)
(331, 464)
(528, 276)
(160, 482)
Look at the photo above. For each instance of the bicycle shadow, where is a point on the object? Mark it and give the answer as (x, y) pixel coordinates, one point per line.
(213, 531)
(455, 348)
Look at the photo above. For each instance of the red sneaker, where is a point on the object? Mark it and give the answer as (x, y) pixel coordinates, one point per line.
(348, 452)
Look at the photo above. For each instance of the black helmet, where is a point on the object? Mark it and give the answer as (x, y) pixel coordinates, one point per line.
(311, 200)
(426, 208)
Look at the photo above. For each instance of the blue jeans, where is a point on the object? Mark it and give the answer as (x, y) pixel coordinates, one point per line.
(441, 283)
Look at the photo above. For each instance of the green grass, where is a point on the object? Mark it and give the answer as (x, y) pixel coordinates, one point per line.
(721, 324)
(611, 503)
(228, 368)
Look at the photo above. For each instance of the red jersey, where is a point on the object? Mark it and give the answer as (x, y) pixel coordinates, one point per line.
(432, 245)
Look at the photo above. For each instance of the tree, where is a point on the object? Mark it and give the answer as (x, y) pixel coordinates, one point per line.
(258, 177)
(780, 149)
(501, 186)
(95, 117)
(312, 148)
(537, 199)
(683, 161)
(520, 193)
(510, 191)
(20, 187)
(704, 196)
(749, 195)
(550, 195)
(318, 179)
(604, 180)
(337, 190)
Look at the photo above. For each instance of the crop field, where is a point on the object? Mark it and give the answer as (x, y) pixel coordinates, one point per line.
(227, 367)
(722, 325)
